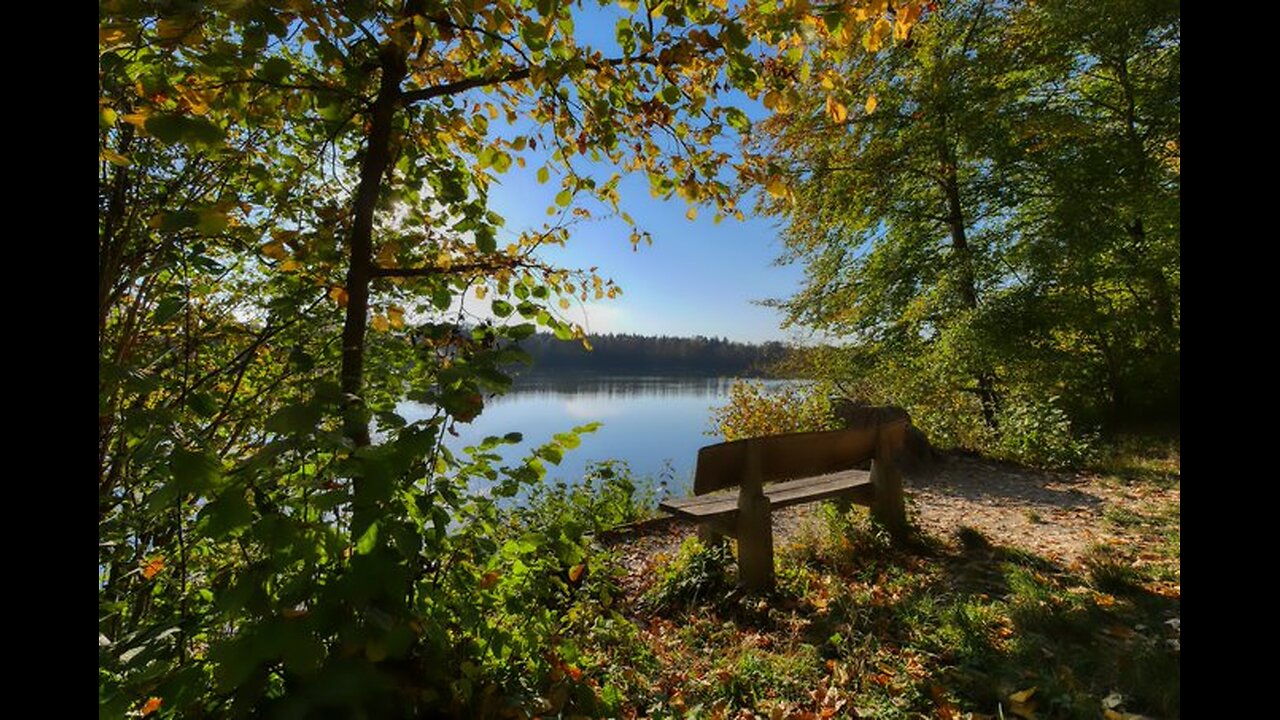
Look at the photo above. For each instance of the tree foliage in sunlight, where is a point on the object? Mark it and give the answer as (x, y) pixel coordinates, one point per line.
(293, 226)
(996, 229)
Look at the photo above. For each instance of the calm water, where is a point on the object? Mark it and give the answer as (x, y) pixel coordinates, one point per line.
(655, 424)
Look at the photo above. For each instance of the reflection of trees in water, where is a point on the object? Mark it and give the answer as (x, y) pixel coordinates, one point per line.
(547, 386)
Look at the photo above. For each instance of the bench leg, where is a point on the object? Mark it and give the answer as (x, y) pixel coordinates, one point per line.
(843, 503)
(710, 534)
(755, 544)
(888, 507)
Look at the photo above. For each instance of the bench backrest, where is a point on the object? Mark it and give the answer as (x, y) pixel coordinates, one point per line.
(793, 455)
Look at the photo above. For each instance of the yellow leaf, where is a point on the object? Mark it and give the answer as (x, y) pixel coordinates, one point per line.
(137, 119)
(153, 567)
(380, 323)
(564, 303)
(876, 35)
(113, 157)
(908, 15)
(776, 187)
(108, 116)
(1022, 696)
(838, 112)
(481, 291)
(692, 213)
(290, 265)
(170, 28)
(575, 572)
(395, 314)
(872, 102)
(771, 99)
(111, 35)
(338, 295)
(387, 255)
(275, 250)
(195, 100)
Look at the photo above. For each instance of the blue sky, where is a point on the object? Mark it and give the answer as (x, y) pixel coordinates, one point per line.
(697, 278)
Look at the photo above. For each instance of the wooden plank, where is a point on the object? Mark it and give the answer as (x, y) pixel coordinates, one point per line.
(720, 496)
(855, 483)
(784, 457)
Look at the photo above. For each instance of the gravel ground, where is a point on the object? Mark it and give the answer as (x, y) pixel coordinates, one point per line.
(1055, 515)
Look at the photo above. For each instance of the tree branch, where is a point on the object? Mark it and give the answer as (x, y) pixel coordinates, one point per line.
(458, 86)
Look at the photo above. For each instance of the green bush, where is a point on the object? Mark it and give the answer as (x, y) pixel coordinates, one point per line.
(698, 573)
(1039, 432)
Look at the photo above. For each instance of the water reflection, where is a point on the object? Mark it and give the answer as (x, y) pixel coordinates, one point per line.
(654, 424)
(618, 386)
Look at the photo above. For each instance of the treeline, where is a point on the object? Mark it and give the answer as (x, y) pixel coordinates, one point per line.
(626, 353)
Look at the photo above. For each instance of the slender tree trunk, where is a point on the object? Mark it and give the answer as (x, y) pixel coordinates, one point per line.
(985, 379)
(373, 167)
(1139, 172)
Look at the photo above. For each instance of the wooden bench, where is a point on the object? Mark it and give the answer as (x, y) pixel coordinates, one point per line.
(737, 484)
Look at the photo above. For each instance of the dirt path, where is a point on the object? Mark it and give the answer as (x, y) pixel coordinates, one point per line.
(1057, 516)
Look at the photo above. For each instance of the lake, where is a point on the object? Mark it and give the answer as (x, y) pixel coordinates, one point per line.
(654, 424)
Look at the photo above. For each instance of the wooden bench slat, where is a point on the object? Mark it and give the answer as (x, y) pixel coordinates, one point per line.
(732, 493)
(855, 483)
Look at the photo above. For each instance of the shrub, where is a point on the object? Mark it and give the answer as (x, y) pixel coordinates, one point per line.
(1039, 432)
(754, 410)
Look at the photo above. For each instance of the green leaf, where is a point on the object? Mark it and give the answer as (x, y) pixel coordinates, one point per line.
(211, 222)
(275, 70)
(737, 120)
(486, 239)
(671, 94)
(228, 514)
(172, 129)
(167, 308)
(501, 308)
(564, 197)
(543, 174)
(295, 419)
(193, 471)
(553, 453)
(368, 540)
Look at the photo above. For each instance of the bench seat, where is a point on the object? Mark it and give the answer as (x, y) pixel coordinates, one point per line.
(852, 484)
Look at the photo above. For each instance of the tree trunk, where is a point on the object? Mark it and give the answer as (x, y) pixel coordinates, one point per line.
(987, 394)
(373, 167)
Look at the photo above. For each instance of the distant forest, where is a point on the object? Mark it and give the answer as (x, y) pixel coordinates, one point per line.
(624, 353)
